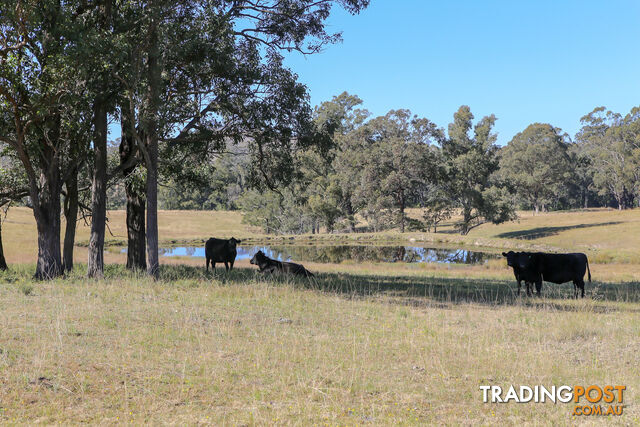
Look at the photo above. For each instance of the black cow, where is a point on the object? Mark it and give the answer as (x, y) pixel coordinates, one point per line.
(521, 272)
(221, 250)
(268, 265)
(555, 268)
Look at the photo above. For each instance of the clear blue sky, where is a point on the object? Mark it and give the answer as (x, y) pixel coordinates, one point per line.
(524, 61)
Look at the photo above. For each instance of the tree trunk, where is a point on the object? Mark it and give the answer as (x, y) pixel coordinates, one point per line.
(134, 189)
(3, 262)
(619, 200)
(586, 199)
(402, 214)
(151, 136)
(49, 261)
(71, 215)
(46, 210)
(466, 219)
(95, 265)
(152, 220)
(44, 191)
(628, 200)
(350, 216)
(136, 251)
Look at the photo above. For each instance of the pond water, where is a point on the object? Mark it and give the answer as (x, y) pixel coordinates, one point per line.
(339, 253)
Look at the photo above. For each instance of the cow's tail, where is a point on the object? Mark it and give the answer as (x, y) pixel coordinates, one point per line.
(589, 270)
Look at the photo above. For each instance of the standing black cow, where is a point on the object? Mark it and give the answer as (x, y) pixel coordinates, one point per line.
(520, 271)
(555, 268)
(220, 250)
(268, 265)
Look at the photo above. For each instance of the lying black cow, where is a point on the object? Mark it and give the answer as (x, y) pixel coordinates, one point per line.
(521, 273)
(220, 250)
(268, 265)
(554, 268)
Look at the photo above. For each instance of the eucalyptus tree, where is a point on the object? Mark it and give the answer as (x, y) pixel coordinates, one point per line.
(340, 120)
(438, 207)
(76, 165)
(189, 78)
(41, 49)
(203, 75)
(536, 162)
(612, 143)
(471, 162)
(398, 160)
(102, 58)
(326, 176)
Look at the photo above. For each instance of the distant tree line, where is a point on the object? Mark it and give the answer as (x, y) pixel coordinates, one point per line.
(377, 167)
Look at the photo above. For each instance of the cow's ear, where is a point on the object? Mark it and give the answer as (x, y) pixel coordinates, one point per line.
(504, 254)
(238, 241)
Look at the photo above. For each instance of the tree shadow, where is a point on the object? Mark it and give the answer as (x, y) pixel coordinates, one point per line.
(423, 291)
(540, 232)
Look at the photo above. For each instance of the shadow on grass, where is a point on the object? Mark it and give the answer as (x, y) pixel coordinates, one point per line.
(418, 291)
(540, 232)
(426, 291)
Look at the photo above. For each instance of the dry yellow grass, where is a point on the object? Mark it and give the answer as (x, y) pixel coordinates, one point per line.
(374, 343)
(607, 232)
(610, 238)
(240, 350)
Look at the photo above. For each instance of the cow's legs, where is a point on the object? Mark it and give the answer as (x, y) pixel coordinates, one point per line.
(539, 287)
(226, 266)
(578, 284)
(213, 265)
(519, 284)
(231, 264)
(529, 286)
(208, 264)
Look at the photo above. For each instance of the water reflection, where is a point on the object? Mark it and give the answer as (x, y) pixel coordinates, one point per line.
(341, 253)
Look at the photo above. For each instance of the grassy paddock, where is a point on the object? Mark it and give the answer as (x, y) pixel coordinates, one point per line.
(610, 238)
(372, 343)
(342, 348)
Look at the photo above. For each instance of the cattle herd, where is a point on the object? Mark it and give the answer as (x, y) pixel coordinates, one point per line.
(532, 268)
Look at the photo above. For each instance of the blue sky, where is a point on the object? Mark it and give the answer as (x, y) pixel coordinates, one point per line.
(524, 61)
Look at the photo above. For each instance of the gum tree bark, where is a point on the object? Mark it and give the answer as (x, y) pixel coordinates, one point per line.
(95, 265)
(150, 126)
(136, 245)
(46, 210)
(71, 215)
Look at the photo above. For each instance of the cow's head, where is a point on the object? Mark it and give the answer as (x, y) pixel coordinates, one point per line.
(257, 258)
(522, 260)
(511, 258)
(233, 242)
